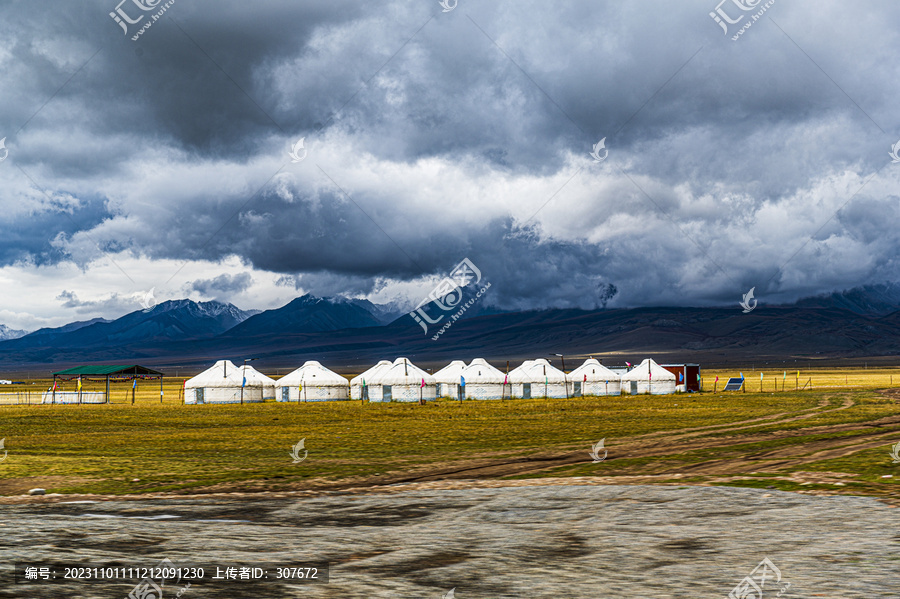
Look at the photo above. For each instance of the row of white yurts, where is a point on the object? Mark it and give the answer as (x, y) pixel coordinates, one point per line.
(401, 380)
(539, 378)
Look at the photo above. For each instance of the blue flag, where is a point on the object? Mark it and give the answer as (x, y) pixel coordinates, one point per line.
(244, 381)
(462, 381)
(742, 376)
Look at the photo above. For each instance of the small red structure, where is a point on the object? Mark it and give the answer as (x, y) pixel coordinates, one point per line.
(685, 374)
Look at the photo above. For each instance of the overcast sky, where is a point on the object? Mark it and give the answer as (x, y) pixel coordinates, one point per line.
(434, 136)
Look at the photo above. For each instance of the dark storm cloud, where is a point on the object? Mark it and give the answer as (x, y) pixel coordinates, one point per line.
(736, 153)
(223, 285)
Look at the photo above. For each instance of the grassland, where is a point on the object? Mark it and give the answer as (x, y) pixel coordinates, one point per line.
(830, 439)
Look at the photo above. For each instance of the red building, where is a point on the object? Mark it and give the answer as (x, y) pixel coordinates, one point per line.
(685, 374)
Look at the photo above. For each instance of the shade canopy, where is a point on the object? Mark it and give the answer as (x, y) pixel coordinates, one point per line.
(108, 370)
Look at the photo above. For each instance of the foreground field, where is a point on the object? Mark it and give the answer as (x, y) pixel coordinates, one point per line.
(553, 538)
(821, 441)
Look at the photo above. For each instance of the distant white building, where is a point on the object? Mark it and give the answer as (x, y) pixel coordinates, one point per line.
(648, 377)
(401, 381)
(221, 383)
(448, 379)
(312, 382)
(254, 378)
(483, 381)
(538, 378)
(593, 378)
(359, 384)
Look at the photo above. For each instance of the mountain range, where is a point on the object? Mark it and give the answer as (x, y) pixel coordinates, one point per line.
(351, 333)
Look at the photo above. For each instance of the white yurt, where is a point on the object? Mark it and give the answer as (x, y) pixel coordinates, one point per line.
(401, 381)
(220, 383)
(257, 386)
(312, 382)
(648, 377)
(448, 379)
(357, 383)
(538, 378)
(483, 381)
(593, 378)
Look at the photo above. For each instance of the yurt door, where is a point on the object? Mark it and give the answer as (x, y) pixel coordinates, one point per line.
(577, 385)
(526, 390)
(385, 393)
(634, 387)
(198, 394)
(285, 394)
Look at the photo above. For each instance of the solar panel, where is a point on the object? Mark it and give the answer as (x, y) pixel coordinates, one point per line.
(734, 384)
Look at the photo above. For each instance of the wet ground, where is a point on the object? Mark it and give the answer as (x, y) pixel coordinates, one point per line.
(546, 540)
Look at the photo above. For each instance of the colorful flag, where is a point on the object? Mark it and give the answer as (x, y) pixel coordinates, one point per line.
(364, 382)
(585, 378)
(717, 379)
(760, 376)
(134, 383)
(423, 383)
(628, 364)
(680, 376)
(244, 381)
(742, 376)
(505, 378)
(462, 380)
(785, 375)
(79, 383)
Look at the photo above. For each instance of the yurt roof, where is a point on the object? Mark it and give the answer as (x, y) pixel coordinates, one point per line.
(537, 371)
(222, 374)
(401, 372)
(640, 372)
(451, 372)
(314, 374)
(368, 374)
(255, 378)
(594, 370)
(480, 372)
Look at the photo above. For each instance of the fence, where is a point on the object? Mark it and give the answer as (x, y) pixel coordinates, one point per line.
(30, 398)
